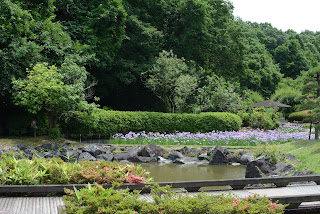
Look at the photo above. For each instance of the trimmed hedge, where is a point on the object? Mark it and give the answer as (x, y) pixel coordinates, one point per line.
(107, 123)
(305, 116)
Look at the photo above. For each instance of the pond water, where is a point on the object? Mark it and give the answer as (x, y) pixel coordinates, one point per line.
(189, 172)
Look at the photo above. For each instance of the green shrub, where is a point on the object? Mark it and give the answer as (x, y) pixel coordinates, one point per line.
(261, 118)
(305, 116)
(108, 123)
(269, 150)
(98, 200)
(54, 133)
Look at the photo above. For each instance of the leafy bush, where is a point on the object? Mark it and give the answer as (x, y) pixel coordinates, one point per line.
(290, 96)
(55, 171)
(305, 116)
(54, 133)
(261, 118)
(98, 200)
(108, 123)
(269, 150)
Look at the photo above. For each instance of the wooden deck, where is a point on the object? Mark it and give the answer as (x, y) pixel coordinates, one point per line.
(49, 205)
(30, 205)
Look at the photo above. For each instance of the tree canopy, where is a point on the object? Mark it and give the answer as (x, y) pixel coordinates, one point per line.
(119, 44)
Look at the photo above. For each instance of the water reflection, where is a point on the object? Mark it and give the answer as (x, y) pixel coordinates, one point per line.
(189, 172)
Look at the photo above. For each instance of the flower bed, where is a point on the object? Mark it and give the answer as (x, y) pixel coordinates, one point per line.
(99, 200)
(243, 137)
(55, 171)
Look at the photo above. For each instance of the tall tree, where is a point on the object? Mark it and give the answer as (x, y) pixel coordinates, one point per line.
(51, 89)
(170, 80)
(291, 58)
(311, 91)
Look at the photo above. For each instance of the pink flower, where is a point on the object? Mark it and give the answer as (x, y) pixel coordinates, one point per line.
(246, 207)
(235, 203)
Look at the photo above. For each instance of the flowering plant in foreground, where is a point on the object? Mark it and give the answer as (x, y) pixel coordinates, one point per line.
(249, 137)
(253, 204)
(96, 199)
(56, 171)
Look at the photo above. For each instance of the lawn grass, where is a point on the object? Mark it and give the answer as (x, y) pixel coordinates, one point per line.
(309, 155)
(6, 143)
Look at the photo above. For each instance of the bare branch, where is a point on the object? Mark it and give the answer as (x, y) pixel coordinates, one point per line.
(89, 90)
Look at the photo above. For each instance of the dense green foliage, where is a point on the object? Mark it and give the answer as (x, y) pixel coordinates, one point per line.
(190, 56)
(304, 116)
(99, 200)
(56, 171)
(108, 123)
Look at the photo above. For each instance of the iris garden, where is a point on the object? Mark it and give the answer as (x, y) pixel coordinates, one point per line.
(244, 137)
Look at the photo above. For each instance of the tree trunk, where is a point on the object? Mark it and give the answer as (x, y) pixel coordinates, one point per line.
(52, 119)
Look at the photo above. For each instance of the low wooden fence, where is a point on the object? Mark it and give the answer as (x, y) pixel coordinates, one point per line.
(190, 186)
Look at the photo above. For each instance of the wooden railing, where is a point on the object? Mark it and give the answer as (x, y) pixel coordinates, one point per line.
(190, 186)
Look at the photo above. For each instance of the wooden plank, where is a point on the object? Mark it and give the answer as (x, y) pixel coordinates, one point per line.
(295, 200)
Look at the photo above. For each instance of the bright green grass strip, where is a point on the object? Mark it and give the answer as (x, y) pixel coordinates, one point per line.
(309, 155)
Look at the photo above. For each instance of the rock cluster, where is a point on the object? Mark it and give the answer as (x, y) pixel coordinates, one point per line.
(256, 167)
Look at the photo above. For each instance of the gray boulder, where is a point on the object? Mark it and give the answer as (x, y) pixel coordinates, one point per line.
(93, 149)
(246, 158)
(184, 150)
(106, 157)
(24, 147)
(241, 152)
(218, 158)
(129, 154)
(283, 167)
(290, 157)
(86, 156)
(203, 156)
(163, 160)
(174, 155)
(194, 152)
(141, 159)
(48, 155)
(70, 155)
(47, 147)
(232, 159)
(56, 154)
(109, 148)
(151, 150)
(186, 160)
(258, 168)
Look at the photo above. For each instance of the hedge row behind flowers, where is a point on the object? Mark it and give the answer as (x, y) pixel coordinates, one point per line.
(109, 201)
(107, 123)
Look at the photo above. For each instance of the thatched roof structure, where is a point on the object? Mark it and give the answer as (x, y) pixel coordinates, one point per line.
(269, 104)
